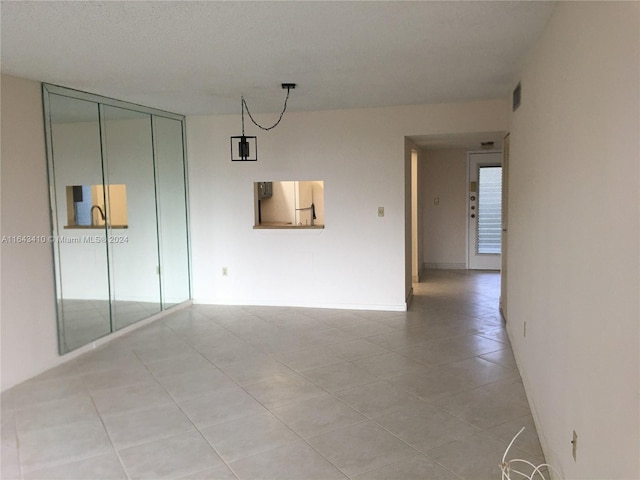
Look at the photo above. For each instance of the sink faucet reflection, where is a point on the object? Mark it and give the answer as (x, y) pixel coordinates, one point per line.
(312, 209)
(102, 216)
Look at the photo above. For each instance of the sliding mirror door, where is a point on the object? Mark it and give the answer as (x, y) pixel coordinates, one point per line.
(75, 173)
(172, 212)
(119, 212)
(131, 215)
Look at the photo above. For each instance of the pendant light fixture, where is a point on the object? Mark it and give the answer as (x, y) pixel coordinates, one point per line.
(244, 148)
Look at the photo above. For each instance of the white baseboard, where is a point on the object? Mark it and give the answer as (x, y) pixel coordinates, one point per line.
(528, 390)
(335, 306)
(418, 278)
(446, 266)
(409, 298)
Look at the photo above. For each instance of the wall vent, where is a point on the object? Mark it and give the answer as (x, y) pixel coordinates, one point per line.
(517, 92)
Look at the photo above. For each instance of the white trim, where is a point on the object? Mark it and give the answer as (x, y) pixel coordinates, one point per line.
(409, 298)
(113, 102)
(335, 306)
(418, 278)
(544, 443)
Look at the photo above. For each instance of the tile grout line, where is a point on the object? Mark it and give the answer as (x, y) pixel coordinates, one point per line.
(113, 446)
(366, 419)
(224, 462)
(274, 351)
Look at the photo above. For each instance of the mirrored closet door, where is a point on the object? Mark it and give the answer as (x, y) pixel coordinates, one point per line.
(119, 212)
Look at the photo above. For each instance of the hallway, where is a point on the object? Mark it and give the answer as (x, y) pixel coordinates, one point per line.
(225, 392)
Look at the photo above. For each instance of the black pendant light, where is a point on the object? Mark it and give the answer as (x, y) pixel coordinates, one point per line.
(245, 148)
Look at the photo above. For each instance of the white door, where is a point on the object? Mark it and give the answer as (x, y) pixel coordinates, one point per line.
(505, 208)
(484, 211)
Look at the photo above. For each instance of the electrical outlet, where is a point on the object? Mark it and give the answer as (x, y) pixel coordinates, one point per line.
(525, 329)
(225, 272)
(574, 445)
(381, 211)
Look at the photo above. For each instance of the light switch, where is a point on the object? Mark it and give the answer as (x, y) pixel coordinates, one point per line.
(381, 211)
(436, 201)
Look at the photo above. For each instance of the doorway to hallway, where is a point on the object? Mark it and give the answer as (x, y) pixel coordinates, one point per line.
(484, 215)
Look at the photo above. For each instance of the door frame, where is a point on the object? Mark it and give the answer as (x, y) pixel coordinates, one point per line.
(416, 214)
(505, 227)
(468, 210)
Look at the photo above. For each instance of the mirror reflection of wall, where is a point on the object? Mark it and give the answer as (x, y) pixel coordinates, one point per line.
(133, 265)
(172, 213)
(75, 158)
(119, 212)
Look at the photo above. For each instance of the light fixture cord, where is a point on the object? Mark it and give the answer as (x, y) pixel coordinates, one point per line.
(244, 105)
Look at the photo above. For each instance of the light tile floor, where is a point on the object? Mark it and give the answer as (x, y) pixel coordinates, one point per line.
(219, 392)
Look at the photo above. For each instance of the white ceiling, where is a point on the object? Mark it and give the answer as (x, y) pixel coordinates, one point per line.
(194, 57)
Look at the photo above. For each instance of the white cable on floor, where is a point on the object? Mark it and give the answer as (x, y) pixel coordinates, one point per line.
(507, 468)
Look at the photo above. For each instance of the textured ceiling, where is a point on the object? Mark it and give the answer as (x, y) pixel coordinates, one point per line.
(194, 57)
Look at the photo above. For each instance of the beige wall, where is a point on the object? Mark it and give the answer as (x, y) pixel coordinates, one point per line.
(28, 319)
(574, 236)
(359, 260)
(445, 225)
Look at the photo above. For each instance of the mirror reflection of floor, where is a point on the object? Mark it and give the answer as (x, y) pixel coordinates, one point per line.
(87, 320)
